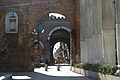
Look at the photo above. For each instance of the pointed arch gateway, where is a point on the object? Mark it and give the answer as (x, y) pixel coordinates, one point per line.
(53, 25)
(58, 34)
(58, 28)
(29, 12)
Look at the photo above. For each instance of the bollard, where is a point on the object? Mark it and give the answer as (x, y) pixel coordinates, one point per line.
(46, 67)
(58, 67)
(7, 77)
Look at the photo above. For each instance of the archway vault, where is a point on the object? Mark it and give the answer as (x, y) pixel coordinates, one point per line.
(57, 28)
(58, 34)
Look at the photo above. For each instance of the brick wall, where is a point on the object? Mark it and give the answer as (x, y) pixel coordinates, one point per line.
(29, 13)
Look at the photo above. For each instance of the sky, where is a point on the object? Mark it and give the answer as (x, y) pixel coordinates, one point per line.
(57, 15)
(56, 46)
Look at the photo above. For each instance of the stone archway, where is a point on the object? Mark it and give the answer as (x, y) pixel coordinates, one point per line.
(57, 28)
(50, 26)
(58, 34)
(32, 11)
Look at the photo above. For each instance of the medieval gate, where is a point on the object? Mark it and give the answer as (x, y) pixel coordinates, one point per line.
(18, 19)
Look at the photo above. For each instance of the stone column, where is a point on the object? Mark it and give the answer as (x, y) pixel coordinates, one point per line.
(83, 32)
(97, 28)
(108, 30)
(97, 32)
(89, 31)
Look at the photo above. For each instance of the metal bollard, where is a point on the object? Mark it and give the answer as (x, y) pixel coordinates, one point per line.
(58, 67)
(7, 77)
(46, 67)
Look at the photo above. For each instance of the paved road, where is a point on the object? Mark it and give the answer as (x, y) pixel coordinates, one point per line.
(51, 74)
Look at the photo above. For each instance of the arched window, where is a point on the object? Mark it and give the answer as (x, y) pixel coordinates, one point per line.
(11, 22)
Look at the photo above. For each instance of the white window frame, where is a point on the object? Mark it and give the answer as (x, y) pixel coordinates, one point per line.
(8, 23)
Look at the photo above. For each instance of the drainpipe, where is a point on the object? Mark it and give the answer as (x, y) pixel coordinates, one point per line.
(114, 13)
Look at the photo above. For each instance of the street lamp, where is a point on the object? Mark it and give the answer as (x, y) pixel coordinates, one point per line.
(39, 29)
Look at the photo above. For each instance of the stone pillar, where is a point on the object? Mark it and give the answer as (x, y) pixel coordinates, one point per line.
(108, 30)
(89, 30)
(97, 38)
(97, 28)
(83, 32)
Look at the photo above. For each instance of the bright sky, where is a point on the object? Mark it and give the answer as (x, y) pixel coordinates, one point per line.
(57, 45)
(57, 15)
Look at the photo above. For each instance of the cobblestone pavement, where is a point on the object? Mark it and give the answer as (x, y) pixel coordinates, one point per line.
(51, 74)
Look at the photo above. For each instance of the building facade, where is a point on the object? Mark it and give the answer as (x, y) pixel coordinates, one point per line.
(93, 30)
(18, 19)
(99, 31)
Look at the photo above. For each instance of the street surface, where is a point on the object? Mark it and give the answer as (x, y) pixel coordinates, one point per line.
(51, 74)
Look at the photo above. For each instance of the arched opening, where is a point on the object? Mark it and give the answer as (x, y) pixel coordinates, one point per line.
(11, 22)
(38, 48)
(61, 38)
(23, 42)
(53, 28)
(41, 48)
(61, 53)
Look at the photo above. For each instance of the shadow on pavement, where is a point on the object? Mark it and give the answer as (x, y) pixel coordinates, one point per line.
(51, 74)
(39, 76)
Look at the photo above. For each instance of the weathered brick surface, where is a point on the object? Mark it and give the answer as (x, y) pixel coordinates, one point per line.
(29, 13)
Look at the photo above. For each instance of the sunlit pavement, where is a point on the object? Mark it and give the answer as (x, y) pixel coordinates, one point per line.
(51, 74)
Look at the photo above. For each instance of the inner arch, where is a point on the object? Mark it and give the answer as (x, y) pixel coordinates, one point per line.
(58, 28)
